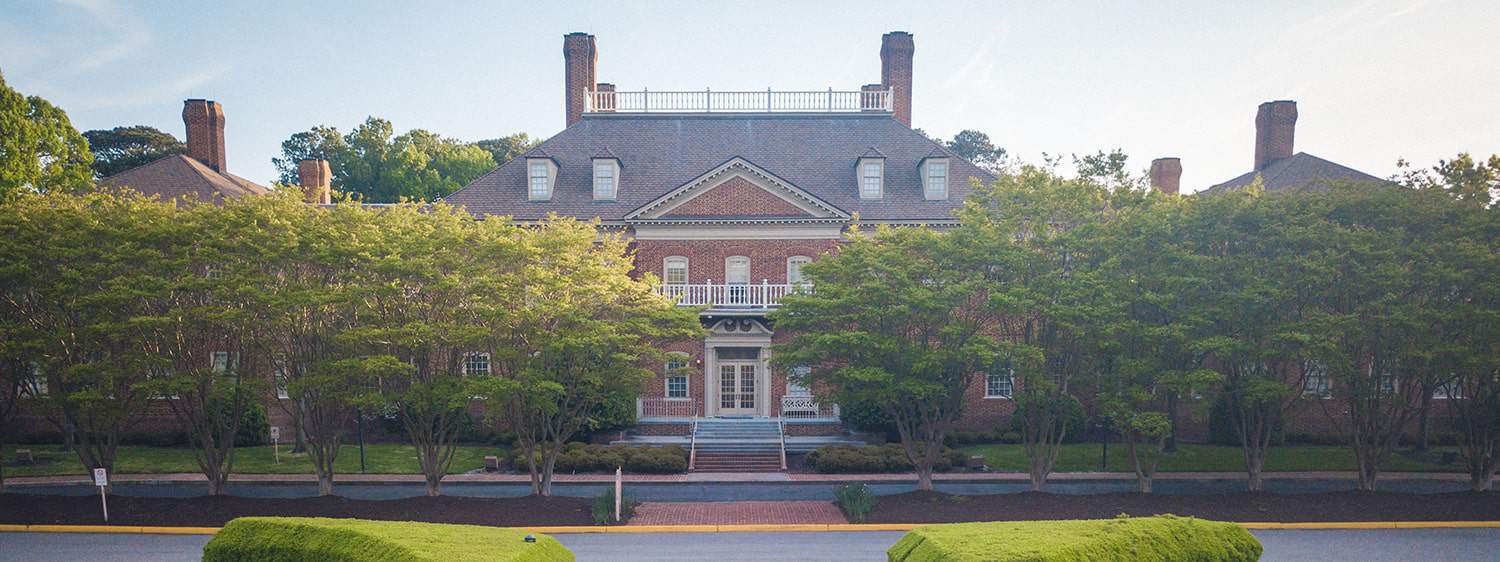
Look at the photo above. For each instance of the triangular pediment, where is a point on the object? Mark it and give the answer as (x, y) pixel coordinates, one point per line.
(737, 190)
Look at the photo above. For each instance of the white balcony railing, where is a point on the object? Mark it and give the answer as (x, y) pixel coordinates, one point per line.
(666, 408)
(794, 406)
(731, 295)
(709, 101)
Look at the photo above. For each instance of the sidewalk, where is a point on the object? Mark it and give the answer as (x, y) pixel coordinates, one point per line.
(728, 477)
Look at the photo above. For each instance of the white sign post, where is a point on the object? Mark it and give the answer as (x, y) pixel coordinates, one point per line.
(276, 443)
(619, 484)
(101, 479)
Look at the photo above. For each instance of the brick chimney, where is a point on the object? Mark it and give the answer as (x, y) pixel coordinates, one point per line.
(579, 60)
(1166, 175)
(316, 180)
(896, 49)
(1275, 125)
(205, 132)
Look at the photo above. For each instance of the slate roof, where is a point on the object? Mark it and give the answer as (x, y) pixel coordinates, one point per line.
(659, 153)
(1298, 171)
(177, 176)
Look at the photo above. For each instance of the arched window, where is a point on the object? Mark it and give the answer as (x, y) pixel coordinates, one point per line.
(794, 269)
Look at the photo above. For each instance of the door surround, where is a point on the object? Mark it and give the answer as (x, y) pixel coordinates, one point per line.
(738, 333)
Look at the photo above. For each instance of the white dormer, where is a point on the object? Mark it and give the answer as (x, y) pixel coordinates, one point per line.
(541, 176)
(870, 174)
(606, 176)
(934, 170)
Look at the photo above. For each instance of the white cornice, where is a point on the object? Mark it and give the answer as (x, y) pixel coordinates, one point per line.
(737, 166)
(803, 231)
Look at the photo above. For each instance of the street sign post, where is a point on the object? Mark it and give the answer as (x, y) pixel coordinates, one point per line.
(619, 484)
(101, 479)
(276, 443)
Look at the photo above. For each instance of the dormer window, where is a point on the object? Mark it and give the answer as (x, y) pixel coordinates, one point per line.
(541, 173)
(606, 178)
(935, 179)
(871, 178)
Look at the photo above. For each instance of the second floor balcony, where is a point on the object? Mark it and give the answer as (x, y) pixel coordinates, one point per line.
(731, 296)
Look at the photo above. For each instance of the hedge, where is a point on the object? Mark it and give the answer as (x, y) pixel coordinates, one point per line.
(586, 457)
(295, 539)
(868, 459)
(1163, 537)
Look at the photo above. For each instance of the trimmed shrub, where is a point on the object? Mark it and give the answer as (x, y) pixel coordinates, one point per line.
(869, 459)
(295, 539)
(855, 500)
(587, 457)
(254, 429)
(603, 509)
(1159, 538)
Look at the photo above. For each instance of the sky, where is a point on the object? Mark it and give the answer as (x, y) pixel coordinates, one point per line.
(1375, 80)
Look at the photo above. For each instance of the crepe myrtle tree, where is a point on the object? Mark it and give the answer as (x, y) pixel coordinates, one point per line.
(895, 322)
(571, 331)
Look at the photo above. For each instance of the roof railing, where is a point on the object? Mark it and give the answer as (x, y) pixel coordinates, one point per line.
(768, 101)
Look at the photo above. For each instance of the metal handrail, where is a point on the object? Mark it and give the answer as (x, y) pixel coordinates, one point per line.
(781, 424)
(693, 444)
(749, 101)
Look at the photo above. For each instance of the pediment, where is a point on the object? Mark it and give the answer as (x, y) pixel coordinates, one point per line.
(737, 189)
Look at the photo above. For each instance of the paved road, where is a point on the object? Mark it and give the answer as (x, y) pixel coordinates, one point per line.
(1364, 546)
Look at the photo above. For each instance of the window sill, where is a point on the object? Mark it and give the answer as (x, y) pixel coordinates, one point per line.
(999, 398)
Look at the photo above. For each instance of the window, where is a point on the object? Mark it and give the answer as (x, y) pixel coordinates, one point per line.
(1000, 385)
(38, 384)
(935, 179)
(871, 176)
(540, 173)
(1448, 390)
(223, 361)
(1315, 382)
(677, 380)
(737, 276)
(675, 270)
(795, 374)
(281, 382)
(1385, 381)
(794, 269)
(476, 364)
(604, 180)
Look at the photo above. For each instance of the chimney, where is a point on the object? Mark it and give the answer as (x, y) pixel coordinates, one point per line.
(1166, 175)
(205, 132)
(896, 50)
(316, 180)
(579, 60)
(1275, 124)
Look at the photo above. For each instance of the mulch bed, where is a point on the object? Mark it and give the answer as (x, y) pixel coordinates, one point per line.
(29, 509)
(931, 507)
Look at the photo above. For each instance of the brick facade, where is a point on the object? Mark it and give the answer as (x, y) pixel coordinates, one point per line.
(736, 196)
(706, 257)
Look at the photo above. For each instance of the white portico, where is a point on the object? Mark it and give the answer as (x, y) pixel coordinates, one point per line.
(737, 368)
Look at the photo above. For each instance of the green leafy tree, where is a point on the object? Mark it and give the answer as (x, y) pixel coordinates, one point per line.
(506, 148)
(378, 166)
(41, 152)
(1463, 177)
(897, 321)
(122, 148)
(977, 148)
(571, 330)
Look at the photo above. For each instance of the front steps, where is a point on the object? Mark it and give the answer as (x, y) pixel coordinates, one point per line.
(737, 445)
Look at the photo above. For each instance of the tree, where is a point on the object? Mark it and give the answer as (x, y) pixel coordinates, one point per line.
(377, 165)
(976, 147)
(77, 270)
(18, 385)
(571, 330)
(122, 148)
(506, 148)
(1462, 177)
(896, 321)
(41, 152)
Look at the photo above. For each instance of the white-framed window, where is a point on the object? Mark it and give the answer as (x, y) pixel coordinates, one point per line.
(1448, 390)
(223, 361)
(281, 382)
(606, 172)
(476, 364)
(1385, 380)
(871, 178)
(935, 178)
(539, 179)
(677, 377)
(793, 375)
(1316, 382)
(38, 382)
(675, 270)
(999, 385)
(794, 269)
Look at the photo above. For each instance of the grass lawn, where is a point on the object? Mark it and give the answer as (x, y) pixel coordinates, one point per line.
(379, 459)
(1084, 457)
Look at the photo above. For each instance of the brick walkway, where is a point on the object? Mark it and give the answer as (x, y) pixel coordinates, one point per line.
(737, 513)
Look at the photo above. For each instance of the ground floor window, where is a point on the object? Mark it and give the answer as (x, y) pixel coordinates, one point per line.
(476, 364)
(1448, 390)
(1316, 382)
(677, 380)
(999, 385)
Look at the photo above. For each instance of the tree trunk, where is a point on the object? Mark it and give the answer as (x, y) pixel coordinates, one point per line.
(1171, 446)
(1253, 472)
(1145, 482)
(1482, 482)
(1367, 474)
(216, 485)
(547, 465)
(1422, 416)
(924, 479)
(325, 484)
(434, 485)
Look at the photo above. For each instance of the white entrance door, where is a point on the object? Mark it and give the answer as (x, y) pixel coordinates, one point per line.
(737, 279)
(737, 387)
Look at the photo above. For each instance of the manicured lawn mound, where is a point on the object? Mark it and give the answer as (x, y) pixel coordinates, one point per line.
(1124, 539)
(293, 539)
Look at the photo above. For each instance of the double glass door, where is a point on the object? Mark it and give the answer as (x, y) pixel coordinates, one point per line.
(737, 391)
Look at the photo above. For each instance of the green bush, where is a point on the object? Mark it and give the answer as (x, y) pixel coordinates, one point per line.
(1159, 538)
(254, 429)
(1221, 426)
(855, 500)
(293, 539)
(869, 459)
(589, 457)
(604, 508)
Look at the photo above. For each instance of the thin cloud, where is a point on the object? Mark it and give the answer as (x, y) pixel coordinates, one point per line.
(152, 94)
(132, 35)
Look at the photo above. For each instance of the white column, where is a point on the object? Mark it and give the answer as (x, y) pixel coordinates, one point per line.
(765, 382)
(710, 381)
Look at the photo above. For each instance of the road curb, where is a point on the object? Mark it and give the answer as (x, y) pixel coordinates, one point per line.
(798, 528)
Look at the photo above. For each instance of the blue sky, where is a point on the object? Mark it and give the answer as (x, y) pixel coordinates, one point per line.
(1374, 80)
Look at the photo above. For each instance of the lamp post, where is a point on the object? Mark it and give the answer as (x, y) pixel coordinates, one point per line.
(1102, 425)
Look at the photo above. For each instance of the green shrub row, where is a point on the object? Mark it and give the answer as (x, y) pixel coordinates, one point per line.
(866, 459)
(1147, 539)
(589, 457)
(316, 539)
